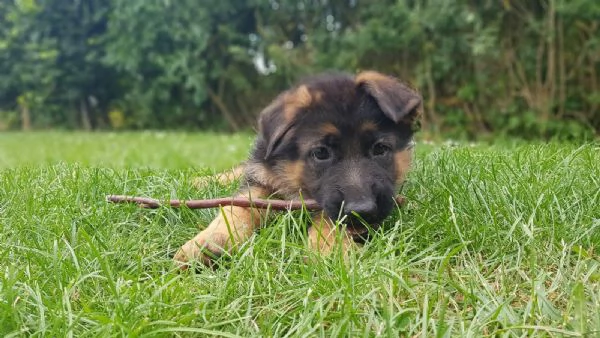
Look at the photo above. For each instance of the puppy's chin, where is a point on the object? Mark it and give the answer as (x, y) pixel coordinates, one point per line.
(354, 223)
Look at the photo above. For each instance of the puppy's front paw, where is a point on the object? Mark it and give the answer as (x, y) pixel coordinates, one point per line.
(205, 247)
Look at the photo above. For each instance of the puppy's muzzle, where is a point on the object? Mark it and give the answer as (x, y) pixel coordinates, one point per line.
(365, 209)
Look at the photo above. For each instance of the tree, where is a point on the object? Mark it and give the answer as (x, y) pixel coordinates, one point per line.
(156, 47)
(527, 68)
(27, 58)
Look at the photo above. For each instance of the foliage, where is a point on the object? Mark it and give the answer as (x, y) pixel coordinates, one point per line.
(526, 68)
(156, 46)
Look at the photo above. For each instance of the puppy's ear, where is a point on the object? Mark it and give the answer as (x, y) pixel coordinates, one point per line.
(396, 100)
(273, 125)
(278, 119)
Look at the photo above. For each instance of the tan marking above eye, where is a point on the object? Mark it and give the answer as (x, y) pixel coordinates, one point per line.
(368, 126)
(329, 129)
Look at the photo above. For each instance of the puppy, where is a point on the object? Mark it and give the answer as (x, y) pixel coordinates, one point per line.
(345, 141)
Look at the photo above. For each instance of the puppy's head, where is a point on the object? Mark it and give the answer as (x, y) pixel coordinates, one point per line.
(344, 141)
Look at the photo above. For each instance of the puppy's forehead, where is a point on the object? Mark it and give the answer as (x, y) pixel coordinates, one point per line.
(329, 95)
(331, 99)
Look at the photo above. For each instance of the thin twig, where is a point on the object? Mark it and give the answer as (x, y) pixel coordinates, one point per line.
(152, 203)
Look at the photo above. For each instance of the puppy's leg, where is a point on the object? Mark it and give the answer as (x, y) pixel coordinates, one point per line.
(232, 226)
(324, 236)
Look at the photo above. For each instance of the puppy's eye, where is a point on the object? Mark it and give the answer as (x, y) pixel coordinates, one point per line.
(381, 149)
(320, 153)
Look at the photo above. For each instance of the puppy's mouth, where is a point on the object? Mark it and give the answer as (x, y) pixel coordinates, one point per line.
(359, 228)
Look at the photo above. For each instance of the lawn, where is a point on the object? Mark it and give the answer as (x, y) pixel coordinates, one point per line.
(497, 240)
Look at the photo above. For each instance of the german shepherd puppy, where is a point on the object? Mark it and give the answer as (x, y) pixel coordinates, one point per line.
(345, 141)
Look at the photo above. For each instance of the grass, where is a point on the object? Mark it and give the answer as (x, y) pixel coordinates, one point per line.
(157, 150)
(497, 240)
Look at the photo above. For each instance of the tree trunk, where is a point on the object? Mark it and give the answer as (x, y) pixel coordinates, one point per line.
(431, 93)
(85, 115)
(25, 117)
(223, 109)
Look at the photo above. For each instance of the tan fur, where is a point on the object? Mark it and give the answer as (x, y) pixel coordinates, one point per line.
(374, 80)
(324, 236)
(368, 127)
(329, 129)
(299, 99)
(371, 76)
(380, 84)
(232, 226)
(293, 172)
(403, 160)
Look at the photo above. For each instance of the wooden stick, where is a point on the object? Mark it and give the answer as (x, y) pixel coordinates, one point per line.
(151, 203)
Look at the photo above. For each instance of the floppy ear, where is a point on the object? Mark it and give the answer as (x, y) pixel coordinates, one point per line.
(396, 100)
(273, 125)
(278, 118)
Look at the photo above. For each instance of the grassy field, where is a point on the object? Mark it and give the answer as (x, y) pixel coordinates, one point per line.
(497, 240)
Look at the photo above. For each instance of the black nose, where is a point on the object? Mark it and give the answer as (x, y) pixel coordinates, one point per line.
(366, 208)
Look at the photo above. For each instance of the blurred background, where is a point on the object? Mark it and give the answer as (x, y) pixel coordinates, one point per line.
(486, 68)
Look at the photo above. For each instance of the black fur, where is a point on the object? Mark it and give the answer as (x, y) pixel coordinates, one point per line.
(349, 172)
